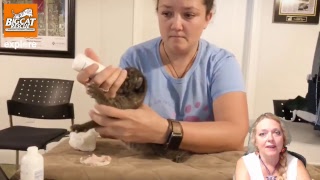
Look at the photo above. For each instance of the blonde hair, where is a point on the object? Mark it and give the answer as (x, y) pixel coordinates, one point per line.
(286, 140)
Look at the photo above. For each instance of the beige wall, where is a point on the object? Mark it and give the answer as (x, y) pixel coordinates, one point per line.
(282, 59)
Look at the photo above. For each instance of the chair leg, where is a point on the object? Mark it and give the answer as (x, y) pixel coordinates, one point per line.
(10, 119)
(17, 159)
(3, 175)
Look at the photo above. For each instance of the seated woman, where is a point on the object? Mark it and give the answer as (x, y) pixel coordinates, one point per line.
(267, 156)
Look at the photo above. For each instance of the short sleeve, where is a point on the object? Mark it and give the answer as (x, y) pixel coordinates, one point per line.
(124, 60)
(227, 77)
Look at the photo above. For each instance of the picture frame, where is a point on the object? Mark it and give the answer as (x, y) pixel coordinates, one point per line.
(56, 30)
(296, 11)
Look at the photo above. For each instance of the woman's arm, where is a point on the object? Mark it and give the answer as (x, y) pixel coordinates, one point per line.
(226, 133)
(302, 173)
(241, 171)
(143, 125)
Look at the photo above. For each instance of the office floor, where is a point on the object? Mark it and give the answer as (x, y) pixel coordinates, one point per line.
(306, 141)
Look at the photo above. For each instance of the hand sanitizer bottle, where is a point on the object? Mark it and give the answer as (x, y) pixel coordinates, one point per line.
(32, 165)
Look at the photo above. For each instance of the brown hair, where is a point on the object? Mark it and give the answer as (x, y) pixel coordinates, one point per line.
(208, 3)
(283, 156)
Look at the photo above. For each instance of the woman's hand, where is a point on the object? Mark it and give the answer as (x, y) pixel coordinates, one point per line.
(141, 125)
(110, 79)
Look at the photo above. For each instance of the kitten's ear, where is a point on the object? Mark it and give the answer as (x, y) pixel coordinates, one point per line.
(139, 82)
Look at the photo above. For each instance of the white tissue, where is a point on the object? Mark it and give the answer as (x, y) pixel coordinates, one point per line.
(96, 160)
(83, 141)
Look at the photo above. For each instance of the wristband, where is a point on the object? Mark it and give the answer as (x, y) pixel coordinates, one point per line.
(169, 131)
(175, 137)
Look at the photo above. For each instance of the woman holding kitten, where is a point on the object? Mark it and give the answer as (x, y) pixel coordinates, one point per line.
(195, 98)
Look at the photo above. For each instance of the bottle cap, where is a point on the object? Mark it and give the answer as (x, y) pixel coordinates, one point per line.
(32, 149)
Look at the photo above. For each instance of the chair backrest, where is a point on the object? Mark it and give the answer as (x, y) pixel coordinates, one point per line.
(43, 91)
(42, 98)
(279, 110)
(300, 157)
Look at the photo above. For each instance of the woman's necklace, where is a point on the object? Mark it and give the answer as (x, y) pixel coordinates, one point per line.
(270, 175)
(187, 67)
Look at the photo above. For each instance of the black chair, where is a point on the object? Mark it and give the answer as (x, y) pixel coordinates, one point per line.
(279, 110)
(282, 109)
(299, 156)
(37, 98)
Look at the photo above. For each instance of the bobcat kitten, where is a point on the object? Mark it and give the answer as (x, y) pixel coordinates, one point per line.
(130, 95)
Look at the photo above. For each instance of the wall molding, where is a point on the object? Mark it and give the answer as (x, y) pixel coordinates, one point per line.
(251, 51)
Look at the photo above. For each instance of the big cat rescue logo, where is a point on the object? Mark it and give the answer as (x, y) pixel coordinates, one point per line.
(20, 20)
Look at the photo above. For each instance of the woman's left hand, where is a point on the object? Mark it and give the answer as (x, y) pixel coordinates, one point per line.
(141, 125)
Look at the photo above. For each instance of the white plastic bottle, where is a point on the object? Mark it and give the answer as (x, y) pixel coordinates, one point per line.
(81, 61)
(32, 166)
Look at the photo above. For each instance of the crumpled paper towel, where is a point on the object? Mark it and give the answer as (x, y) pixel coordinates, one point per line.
(95, 160)
(84, 141)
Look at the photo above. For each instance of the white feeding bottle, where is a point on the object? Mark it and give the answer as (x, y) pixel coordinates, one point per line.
(81, 61)
(32, 165)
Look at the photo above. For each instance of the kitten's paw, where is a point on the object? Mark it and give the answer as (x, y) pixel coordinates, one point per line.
(95, 92)
(92, 89)
(78, 128)
(180, 156)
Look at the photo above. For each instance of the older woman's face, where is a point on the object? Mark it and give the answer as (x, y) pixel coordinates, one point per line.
(269, 137)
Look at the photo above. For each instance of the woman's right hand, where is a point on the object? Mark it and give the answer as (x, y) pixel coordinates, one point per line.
(110, 79)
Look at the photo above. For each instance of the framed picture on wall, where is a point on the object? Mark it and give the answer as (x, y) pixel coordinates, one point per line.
(296, 11)
(43, 28)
